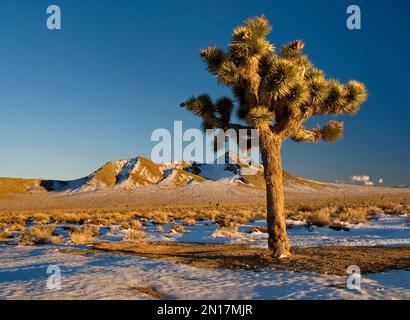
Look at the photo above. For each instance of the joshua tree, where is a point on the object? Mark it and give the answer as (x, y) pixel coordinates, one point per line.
(275, 92)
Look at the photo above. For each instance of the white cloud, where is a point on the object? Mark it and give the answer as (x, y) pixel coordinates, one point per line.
(362, 179)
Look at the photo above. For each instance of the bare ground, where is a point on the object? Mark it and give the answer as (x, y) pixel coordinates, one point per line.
(323, 260)
(194, 195)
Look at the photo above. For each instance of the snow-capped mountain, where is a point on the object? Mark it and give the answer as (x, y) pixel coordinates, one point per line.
(138, 172)
(127, 174)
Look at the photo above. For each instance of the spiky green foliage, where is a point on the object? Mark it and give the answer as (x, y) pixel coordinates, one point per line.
(259, 117)
(275, 90)
(332, 131)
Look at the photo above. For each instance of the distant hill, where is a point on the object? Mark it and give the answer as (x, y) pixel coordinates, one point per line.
(139, 172)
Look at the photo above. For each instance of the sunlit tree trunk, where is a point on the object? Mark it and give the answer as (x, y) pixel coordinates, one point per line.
(270, 145)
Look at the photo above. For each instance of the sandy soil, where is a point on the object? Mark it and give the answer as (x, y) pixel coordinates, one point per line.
(197, 194)
(325, 260)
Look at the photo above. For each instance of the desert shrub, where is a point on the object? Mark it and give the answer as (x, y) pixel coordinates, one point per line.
(125, 226)
(70, 217)
(118, 217)
(179, 228)
(85, 234)
(226, 232)
(352, 215)
(320, 217)
(93, 229)
(160, 217)
(40, 234)
(135, 235)
(373, 210)
(213, 214)
(243, 216)
(227, 224)
(42, 219)
(18, 226)
(189, 221)
(227, 228)
(6, 235)
(79, 237)
(56, 239)
(397, 209)
(136, 225)
(297, 215)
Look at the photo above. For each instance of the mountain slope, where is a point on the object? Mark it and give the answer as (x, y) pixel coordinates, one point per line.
(138, 172)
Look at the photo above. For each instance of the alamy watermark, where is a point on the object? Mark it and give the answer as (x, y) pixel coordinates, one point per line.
(354, 20)
(54, 19)
(192, 145)
(354, 278)
(54, 280)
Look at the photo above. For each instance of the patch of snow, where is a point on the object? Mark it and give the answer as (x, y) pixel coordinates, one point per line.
(126, 170)
(23, 275)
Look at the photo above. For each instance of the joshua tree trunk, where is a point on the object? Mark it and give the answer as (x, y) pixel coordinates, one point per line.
(270, 145)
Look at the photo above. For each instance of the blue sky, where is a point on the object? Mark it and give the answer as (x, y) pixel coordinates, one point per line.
(72, 99)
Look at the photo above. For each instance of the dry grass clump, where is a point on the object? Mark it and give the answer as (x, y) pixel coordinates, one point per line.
(227, 223)
(41, 218)
(243, 216)
(211, 214)
(352, 215)
(125, 226)
(40, 234)
(85, 234)
(135, 235)
(79, 237)
(5, 234)
(373, 210)
(179, 228)
(320, 217)
(136, 225)
(396, 209)
(93, 229)
(189, 221)
(226, 228)
(65, 217)
(332, 216)
(159, 217)
(17, 226)
(297, 215)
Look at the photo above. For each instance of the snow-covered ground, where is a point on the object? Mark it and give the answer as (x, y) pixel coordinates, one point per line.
(23, 270)
(382, 231)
